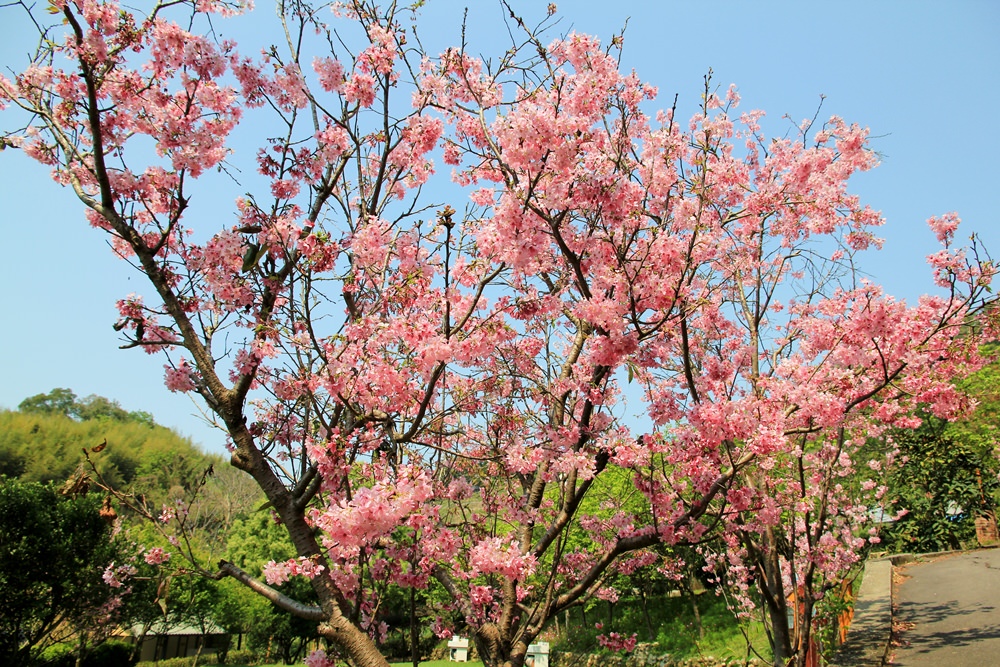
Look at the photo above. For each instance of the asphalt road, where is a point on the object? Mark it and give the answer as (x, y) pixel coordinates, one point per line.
(950, 610)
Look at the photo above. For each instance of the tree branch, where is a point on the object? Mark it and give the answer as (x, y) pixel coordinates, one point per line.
(294, 607)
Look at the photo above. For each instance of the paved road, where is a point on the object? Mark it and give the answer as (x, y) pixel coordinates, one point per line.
(953, 603)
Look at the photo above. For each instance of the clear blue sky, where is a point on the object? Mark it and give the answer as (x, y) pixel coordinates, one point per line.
(924, 76)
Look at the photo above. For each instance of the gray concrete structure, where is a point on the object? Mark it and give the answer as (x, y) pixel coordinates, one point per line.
(868, 637)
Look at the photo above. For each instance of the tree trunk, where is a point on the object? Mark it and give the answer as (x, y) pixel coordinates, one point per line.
(337, 628)
(775, 598)
(694, 609)
(80, 647)
(496, 651)
(781, 636)
(414, 630)
(197, 653)
(645, 614)
(354, 642)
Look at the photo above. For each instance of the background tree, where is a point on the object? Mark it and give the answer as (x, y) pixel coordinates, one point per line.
(64, 402)
(56, 402)
(237, 609)
(947, 473)
(54, 551)
(980, 428)
(254, 542)
(434, 395)
(941, 485)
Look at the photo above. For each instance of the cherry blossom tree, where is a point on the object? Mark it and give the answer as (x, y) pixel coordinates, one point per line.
(427, 393)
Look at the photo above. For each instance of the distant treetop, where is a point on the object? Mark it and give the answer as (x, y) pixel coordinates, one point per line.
(61, 401)
(43, 440)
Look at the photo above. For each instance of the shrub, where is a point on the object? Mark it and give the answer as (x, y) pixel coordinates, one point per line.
(397, 645)
(171, 662)
(58, 655)
(242, 657)
(114, 653)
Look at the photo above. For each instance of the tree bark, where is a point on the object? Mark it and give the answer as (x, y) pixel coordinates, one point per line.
(775, 598)
(414, 630)
(694, 607)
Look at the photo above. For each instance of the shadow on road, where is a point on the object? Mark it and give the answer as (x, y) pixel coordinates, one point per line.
(948, 613)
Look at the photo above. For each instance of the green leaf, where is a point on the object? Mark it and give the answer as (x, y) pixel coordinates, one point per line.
(252, 256)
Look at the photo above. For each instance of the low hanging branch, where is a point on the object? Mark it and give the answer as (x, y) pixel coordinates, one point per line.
(310, 613)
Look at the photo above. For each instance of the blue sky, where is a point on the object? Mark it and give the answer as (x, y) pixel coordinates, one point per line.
(924, 76)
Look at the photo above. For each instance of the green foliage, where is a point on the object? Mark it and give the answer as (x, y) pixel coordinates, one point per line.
(829, 611)
(58, 655)
(12, 464)
(171, 662)
(242, 657)
(110, 654)
(943, 483)
(723, 638)
(56, 402)
(238, 607)
(41, 446)
(255, 540)
(948, 471)
(63, 402)
(271, 632)
(981, 429)
(193, 600)
(53, 552)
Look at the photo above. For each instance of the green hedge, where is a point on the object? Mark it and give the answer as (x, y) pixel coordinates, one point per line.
(109, 654)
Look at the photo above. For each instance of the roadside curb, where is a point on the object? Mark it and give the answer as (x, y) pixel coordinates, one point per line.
(868, 637)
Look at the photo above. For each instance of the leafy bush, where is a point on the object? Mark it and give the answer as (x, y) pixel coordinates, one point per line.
(53, 550)
(170, 662)
(397, 645)
(114, 653)
(242, 657)
(58, 655)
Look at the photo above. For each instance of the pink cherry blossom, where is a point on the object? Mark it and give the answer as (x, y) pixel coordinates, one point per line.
(318, 658)
(156, 556)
